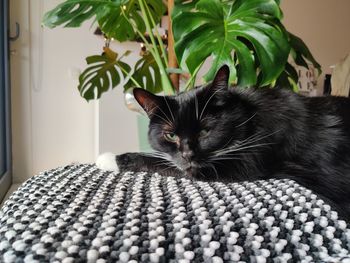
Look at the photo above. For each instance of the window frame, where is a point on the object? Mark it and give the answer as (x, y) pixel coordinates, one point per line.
(6, 178)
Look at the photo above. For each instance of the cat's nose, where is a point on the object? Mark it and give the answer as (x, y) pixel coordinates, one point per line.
(187, 155)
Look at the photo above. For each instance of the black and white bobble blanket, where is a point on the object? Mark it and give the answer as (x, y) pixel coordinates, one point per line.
(80, 213)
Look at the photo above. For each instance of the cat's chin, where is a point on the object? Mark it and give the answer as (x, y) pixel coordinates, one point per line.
(192, 169)
(191, 172)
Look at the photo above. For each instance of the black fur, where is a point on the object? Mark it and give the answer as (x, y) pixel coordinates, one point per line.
(233, 134)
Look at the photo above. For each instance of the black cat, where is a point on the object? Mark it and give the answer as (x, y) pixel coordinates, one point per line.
(231, 134)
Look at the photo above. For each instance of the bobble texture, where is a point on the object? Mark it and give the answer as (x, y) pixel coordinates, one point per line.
(80, 212)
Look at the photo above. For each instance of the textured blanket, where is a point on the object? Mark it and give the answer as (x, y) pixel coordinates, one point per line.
(79, 213)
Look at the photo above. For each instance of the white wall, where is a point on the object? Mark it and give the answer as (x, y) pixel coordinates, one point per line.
(324, 27)
(51, 124)
(117, 125)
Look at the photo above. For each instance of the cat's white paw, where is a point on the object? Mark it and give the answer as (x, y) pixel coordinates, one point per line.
(107, 161)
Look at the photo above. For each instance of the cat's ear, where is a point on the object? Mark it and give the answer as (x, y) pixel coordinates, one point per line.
(148, 101)
(221, 78)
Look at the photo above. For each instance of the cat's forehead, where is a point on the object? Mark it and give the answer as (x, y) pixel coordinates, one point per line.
(186, 103)
(187, 110)
(190, 98)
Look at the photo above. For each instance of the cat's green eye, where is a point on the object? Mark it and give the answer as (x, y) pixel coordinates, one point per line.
(171, 137)
(203, 133)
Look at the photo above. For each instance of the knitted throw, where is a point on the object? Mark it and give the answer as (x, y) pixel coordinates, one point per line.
(79, 213)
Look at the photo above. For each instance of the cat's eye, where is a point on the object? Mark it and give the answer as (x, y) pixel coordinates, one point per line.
(171, 137)
(203, 133)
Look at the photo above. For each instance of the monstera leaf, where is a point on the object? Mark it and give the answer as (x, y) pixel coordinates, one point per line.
(104, 72)
(107, 13)
(301, 54)
(241, 34)
(288, 78)
(147, 74)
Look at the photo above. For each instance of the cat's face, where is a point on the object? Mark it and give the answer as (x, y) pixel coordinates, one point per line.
(192, 128)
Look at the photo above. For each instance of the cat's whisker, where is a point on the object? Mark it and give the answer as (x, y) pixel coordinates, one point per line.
(204, 176)
(245, 141)
(171, 113)
(266, 136)
(162, 162)
(167, 120)
(248, 146)
(246, 120)
(253, 138)
(206, 104)
(245, 144)
(216, 172)
(227, 143)
(165, 169)
(233, 148)
(232, 154)
(217, 162)
(196, 105)
(242, 148)
(240, 153)
(259, 135)
(225, 159)
(165, 162)
(174, 166)
(236, 156)
(241, 143)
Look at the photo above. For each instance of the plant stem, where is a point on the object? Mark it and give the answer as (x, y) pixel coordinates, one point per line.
(172, 60)
(131, 78)
(148, 45)
(193, 77)
(160, 41)
(167, 86)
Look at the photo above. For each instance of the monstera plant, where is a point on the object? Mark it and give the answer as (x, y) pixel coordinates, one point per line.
(246, 35)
